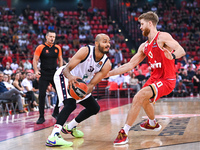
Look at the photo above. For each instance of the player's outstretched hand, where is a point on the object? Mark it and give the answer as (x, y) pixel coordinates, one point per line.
(168, 54)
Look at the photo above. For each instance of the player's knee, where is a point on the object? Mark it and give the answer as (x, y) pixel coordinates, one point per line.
(73, 106)
(141, 96)
(137, 101)
(145, 93)
(95, 110)
(70, 102)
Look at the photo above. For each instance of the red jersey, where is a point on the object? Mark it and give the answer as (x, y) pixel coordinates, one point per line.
(161, 67)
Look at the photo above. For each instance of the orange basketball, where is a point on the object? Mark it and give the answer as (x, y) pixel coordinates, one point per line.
(79, 91)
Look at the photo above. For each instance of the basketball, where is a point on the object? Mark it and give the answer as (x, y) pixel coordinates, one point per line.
(79, 91)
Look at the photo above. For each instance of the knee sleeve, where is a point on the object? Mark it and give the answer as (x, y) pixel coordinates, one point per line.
(71, 102)
(94, 110)
(91, 105)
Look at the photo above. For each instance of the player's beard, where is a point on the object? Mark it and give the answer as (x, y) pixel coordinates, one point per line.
(146, 32)
(101, 49)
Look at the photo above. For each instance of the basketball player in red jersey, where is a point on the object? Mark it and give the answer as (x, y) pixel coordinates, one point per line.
(161, 50)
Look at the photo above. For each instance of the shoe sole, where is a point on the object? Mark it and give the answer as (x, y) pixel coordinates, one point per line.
(40, 122)
(50, 145)
(156, 129)
(122, 143)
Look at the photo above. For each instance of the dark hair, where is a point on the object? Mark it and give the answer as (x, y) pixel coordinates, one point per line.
(22, 73)
(50, 31)
(28, 72)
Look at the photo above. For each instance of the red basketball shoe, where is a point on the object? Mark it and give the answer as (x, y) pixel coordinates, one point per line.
(121, 138)
(147, 126)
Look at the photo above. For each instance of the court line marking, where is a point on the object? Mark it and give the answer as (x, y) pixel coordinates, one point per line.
(174, 116)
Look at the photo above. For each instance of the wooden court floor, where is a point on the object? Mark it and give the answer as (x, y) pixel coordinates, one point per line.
(179, 117)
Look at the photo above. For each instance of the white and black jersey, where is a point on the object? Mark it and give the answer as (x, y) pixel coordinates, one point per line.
(86, 69)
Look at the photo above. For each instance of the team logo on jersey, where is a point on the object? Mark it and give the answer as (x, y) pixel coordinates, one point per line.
(47, 51)
(56, 51)
(155, 64)
(85, 77)
(99, 64)
(154, 44)
(150, 54)
(90, 69)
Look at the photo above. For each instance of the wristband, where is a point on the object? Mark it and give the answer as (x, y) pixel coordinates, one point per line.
(174, 57)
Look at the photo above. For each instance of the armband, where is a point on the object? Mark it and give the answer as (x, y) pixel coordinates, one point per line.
(174, 57)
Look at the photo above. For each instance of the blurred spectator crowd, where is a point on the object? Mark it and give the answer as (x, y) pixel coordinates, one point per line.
(21, 34)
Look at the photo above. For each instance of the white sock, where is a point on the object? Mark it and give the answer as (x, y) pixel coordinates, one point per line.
(72, 124)
(57, 128)
(126, 128)
(152, 122)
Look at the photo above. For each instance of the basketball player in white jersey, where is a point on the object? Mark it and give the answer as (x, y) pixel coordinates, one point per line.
(91, 64)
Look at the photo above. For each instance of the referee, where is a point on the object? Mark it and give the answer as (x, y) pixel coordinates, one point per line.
(48, 53)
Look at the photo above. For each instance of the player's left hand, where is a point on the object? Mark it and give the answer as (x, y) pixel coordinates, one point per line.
(108, 75)
(167, 53)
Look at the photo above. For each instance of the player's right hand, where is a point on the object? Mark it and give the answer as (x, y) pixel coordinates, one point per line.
(38, 73)
(72, 80)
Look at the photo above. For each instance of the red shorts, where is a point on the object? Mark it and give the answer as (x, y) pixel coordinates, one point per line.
(161, 87)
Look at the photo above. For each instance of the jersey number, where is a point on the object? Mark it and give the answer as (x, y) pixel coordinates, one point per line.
(159, 84)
